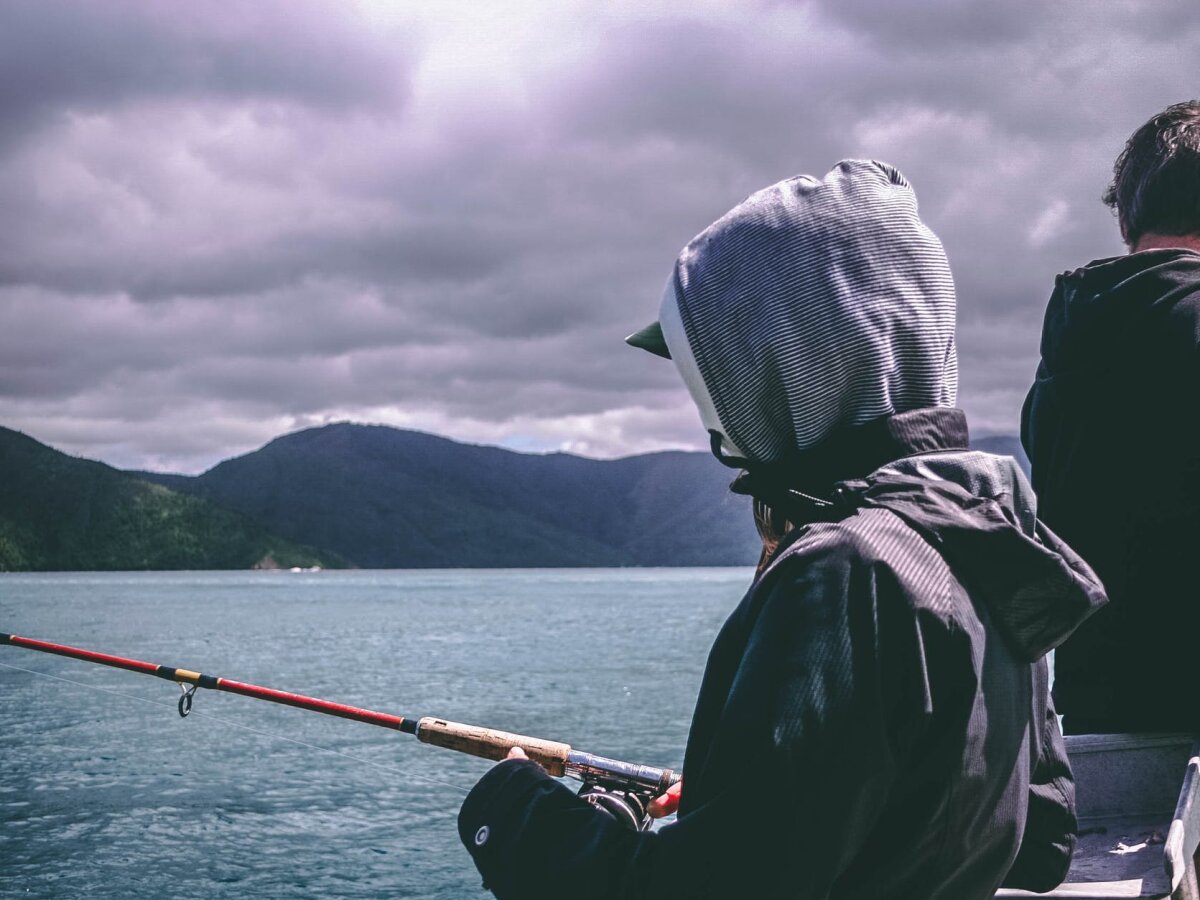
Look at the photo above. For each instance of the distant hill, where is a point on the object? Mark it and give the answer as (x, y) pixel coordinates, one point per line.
(59, 513)
(387, 498)
(376, 497)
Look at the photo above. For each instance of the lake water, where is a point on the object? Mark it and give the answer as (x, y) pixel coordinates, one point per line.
(106, 792)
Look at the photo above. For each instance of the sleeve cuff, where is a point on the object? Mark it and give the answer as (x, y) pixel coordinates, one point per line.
(495, 814)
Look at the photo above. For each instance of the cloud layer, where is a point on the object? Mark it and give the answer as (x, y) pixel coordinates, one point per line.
(222, 222)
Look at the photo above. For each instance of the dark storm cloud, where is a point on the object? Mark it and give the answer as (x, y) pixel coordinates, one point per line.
(913, 23)
(224, 221)
(79, 56)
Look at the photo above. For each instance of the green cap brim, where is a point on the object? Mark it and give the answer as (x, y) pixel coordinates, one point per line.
(650, 339)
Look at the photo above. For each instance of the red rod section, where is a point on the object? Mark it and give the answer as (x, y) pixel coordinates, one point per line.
(356, 713)
(186, 676)
(117, 662)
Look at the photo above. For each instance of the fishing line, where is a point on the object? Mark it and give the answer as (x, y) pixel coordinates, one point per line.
(229, 722)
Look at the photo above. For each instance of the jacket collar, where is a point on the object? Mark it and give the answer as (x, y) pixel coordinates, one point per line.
(855, 452)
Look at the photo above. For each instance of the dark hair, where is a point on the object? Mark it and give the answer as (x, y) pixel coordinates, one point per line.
(1156, 179)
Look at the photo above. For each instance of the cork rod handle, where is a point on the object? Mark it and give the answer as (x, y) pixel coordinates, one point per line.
(492, 744)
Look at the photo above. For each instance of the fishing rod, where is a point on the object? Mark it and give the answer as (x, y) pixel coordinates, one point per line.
(622, 789)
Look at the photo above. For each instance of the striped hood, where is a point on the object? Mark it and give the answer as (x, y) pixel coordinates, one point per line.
(810, 306)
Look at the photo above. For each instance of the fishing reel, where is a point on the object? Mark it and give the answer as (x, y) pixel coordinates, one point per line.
(627, 807)
(621, 789)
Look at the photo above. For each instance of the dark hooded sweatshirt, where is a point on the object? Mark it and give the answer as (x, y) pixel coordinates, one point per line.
(1112, 427)
(873, 720)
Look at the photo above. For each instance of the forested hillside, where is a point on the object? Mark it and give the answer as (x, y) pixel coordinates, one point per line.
(61, 513)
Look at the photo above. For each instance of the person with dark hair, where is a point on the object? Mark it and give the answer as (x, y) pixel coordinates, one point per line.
(1112, 428)
(874, 720)
(1155, 191)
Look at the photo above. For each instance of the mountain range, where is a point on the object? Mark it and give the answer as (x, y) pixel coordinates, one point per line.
(59, 513)
(371, 496)
(387, 498)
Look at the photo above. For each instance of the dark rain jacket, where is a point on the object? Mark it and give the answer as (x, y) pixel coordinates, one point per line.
(874, 718)
(1112, 427)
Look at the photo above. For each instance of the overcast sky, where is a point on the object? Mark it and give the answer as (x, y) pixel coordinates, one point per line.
(223, 221)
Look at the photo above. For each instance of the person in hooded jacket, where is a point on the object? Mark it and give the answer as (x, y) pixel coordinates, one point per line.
(1112, 428)
(874, 719)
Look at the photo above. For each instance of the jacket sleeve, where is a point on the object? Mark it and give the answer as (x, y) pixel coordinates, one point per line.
(1048, 840)
(797, 775)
